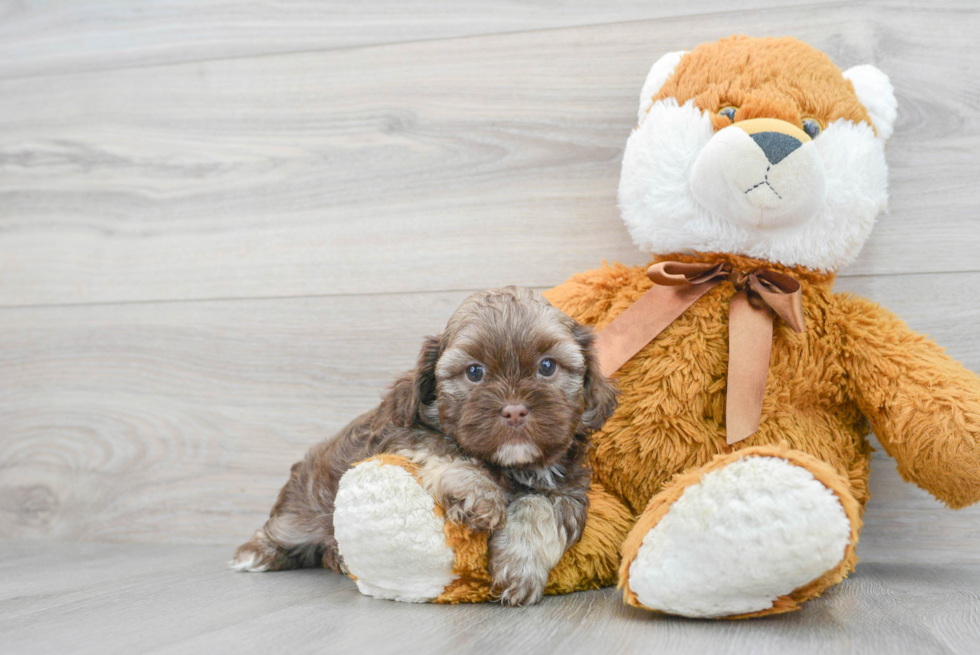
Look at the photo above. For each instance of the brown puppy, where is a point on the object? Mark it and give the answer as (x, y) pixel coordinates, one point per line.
(497, 414)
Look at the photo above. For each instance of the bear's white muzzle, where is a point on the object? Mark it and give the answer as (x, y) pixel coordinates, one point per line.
(760, 174)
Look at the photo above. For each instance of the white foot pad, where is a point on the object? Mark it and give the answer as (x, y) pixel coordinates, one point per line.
(743, 536)
(389, 535)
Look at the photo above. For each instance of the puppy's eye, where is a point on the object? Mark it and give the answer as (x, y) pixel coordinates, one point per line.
(475, 373)
(729, 113)
(812, 127)
(547, 367)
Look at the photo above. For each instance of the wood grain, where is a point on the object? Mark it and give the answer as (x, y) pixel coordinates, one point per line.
(71, 35)
(178, 422)
(425, 166)
(99, 598)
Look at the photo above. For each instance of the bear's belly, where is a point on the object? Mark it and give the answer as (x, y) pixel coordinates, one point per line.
(646, 445)
(671, 414)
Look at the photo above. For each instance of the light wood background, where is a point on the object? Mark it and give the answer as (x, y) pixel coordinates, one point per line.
(226, 226)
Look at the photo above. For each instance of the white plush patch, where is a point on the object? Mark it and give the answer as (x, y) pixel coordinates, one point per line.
(662, 215)
(389, 535)
(745, 535)
(512, 454)
(659, 72)
(734, 178)
(875, 92)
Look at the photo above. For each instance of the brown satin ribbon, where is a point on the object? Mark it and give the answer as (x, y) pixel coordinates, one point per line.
(758, 295)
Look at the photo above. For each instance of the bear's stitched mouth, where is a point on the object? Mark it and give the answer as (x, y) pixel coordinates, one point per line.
(767, 183)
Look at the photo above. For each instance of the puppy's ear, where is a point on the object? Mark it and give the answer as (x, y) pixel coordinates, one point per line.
(424, 385)
(600, 394)
(415, 389)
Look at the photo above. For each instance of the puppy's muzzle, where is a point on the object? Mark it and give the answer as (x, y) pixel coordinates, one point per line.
(761, 173)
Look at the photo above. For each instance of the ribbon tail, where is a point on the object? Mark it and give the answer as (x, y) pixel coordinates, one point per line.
(749, 348)
(783, 294)
(642, 322)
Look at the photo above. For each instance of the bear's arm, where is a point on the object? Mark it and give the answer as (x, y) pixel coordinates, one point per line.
(923, 405)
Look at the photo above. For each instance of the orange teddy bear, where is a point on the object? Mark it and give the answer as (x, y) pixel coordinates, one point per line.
(723, 487)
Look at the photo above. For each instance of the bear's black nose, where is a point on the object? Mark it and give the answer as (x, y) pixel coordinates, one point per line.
(776, 145)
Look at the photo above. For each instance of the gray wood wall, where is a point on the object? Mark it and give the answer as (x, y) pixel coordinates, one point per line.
(225, 226)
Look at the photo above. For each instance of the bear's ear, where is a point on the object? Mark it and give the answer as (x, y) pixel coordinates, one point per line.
(655, 79)
(875, 92)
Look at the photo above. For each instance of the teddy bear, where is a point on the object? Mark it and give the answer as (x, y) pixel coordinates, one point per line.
(732, 479)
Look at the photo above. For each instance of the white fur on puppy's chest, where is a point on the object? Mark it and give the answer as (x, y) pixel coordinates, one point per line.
(513, 454)
(743, 536)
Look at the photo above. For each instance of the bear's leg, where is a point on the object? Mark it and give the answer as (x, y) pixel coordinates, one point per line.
(398, 545)
(754, 532)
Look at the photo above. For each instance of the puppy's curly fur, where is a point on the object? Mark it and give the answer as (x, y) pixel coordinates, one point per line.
(498, 414)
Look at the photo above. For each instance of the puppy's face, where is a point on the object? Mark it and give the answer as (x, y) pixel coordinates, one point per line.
(515, 380)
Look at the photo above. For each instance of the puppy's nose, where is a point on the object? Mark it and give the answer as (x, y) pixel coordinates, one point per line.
(515, 414)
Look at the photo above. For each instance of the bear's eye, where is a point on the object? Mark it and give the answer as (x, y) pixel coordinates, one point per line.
(474, 373)
(547, 367)
(729, 113)
(811, 127)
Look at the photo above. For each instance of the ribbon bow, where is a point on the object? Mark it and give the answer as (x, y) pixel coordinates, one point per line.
(759, 294)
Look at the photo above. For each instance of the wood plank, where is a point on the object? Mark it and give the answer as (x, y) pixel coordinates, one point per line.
(422, 167)
(178, 422)
(53, 38)
(155, 422)
(182, 600)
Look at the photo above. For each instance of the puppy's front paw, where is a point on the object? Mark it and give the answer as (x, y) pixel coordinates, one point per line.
(518, 591)
(483, 509)
(524, 552)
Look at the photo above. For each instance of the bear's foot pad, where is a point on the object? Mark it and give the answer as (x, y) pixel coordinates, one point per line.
(391, 538)
(743, 536)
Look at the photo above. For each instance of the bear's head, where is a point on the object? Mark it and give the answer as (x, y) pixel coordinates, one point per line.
(758, 147)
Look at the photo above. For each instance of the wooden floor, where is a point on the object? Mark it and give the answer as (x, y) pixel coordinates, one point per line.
(109, 598)
(225, 226)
